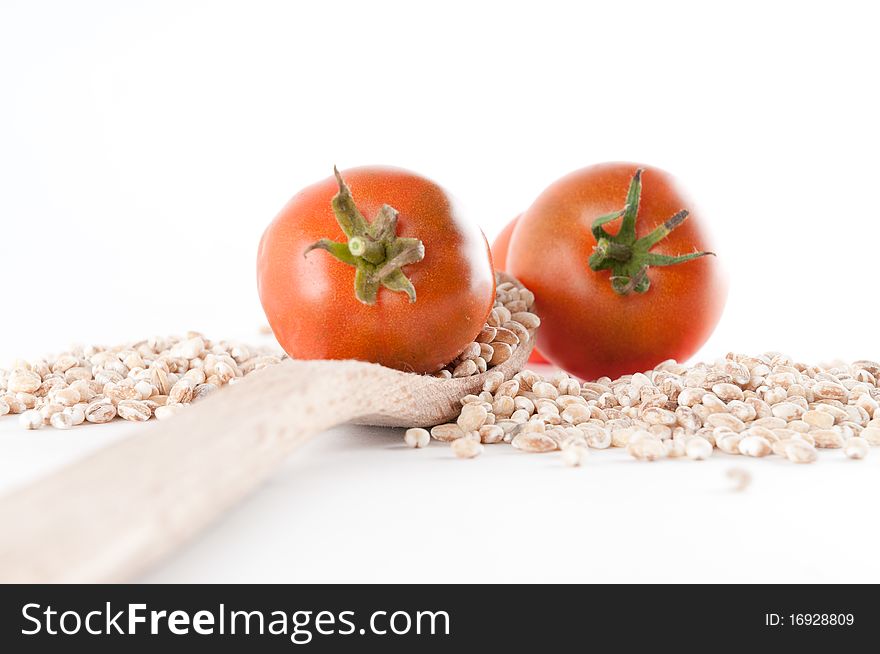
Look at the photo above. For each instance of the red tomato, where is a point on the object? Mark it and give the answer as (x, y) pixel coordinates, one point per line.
(615, 300)
(408, 289)
(500, 245)
(499, 257)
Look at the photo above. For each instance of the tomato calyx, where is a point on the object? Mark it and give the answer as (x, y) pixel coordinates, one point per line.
(374, 249)
(627, 257)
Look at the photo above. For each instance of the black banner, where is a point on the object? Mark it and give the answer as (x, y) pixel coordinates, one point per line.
(277, 618)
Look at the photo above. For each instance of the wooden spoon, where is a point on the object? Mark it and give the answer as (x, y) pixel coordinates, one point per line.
(108, 516)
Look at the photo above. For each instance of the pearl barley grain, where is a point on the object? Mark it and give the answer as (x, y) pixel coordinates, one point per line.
(133, 410)
(466, 448)
(472, 417)
(76, 413)
(870, 434)
(61, 420)
(534, 442)
(575, 455)
(447, 432)
(491, 434)
(417, 437)
(145, 389)
(31, 419)
(644, 447)
(754, 446)
(820, 419)
(798, 451)
(167, 411)
(67, 396)
(23, 381)
(493, 381)
(100, 412)
(698, 449)
(856, 448)
(741, 479)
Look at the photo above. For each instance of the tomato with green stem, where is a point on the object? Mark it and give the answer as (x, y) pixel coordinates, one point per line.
(618, 261)
(408, 289)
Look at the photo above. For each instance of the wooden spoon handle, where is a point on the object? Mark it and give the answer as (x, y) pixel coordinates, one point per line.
(109, 515)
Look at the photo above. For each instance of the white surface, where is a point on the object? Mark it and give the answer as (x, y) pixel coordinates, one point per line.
(356, 505)
(143, 149)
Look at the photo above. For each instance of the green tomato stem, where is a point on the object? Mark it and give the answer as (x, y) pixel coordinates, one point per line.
(372, 251)
(627, 257)
(375, 251)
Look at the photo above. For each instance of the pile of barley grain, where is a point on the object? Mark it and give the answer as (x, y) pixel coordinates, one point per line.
(151, 378)
(508, 325)
(748, 405)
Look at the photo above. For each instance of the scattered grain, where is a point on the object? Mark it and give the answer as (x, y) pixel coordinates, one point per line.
(698, 449)
(575, 455)
(856, 448)
(417, 437)
(31, 419)
(799, 451)
(466, 448)
(534, 442)
(740, 477)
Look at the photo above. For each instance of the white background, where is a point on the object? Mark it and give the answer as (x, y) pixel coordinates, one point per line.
(145, 146)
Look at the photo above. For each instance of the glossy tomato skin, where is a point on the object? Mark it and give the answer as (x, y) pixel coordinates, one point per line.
(499, 257)
(310, 300)
(586, 328)
(501, 244)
